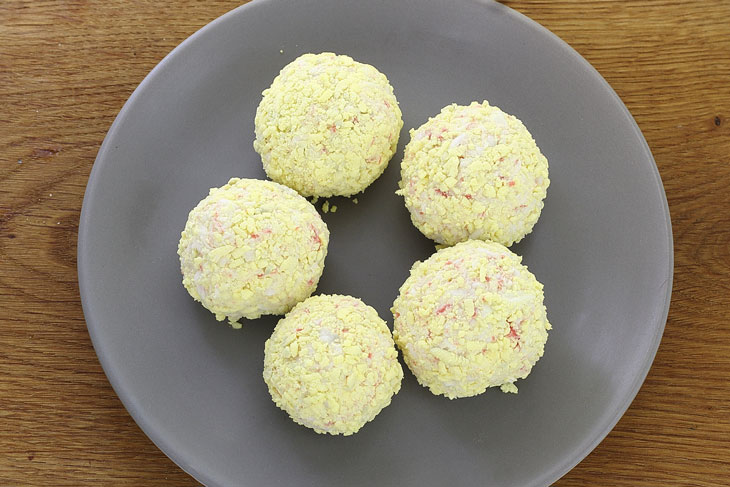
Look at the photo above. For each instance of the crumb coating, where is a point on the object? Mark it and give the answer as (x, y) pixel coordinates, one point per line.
(328, 125)
(252, 248)
(470, 317)
(473, 172)
(331, 363)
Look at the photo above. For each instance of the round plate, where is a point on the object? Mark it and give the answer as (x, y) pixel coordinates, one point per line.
(602, 248)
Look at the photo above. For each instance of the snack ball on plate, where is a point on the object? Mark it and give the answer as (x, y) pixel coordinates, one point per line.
(328, 125)
(470, 317)
(473, 172)
(331, 364)
(252, 248)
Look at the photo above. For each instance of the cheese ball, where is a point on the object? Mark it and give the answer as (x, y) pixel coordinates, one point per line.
(327, 126)
(473, 172)
(470, 317)
(331, 364)
(252, 248)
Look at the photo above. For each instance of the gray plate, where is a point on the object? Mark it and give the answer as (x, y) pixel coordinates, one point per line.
(602, 248)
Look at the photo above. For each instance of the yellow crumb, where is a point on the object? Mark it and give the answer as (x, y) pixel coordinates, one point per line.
(473, 172)
(331, 364)
(251, 248)
(328, 125)
(470, 317)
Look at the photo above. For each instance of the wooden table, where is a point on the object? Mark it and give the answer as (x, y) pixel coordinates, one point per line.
(66, 68)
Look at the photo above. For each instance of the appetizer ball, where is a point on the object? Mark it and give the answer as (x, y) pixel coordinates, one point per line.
(327, 126)
(331, 364)
(473, 172)
(470, 317)
(252, 248)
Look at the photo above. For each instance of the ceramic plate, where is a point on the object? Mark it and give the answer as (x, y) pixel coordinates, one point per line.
(602, 248)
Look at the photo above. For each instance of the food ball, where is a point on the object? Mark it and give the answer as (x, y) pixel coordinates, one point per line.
(252, 248)
(473, 172)
(327, 126)
(331, 364)
(470, 317)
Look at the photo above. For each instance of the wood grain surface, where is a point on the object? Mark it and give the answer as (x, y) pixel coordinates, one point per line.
(66, 68)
